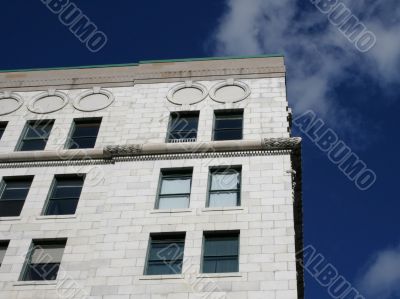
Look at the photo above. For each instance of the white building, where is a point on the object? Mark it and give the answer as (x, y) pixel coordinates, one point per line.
(163, 179)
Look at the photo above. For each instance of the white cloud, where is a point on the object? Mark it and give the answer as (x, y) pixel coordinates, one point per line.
(382, 277)
(318, 56)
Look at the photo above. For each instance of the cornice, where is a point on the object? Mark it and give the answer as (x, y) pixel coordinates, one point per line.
(143, 73)
(151, 151)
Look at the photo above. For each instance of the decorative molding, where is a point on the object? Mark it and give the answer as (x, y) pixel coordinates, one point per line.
(229, 83)
(49, 93)
(282, 143)
(123, 150)
(157, 151)
(10, 95)
(95, 90)
(187, 85)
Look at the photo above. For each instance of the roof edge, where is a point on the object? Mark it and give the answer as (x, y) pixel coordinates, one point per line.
(140, 62)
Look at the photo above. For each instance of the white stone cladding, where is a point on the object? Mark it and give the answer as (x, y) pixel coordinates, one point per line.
(108, 237)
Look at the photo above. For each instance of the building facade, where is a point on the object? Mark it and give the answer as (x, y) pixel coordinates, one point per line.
(163, 179)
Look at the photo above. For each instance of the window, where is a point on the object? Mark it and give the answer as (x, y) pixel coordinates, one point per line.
(183, 126)
(228, 125)
(221, 252)
(165, 254)
(44, 260)
(13, 192)
(84, 133)
(35, 135)
(3, 249)
(174, 189)
(3, 126)
(224, 187)
(64, 195)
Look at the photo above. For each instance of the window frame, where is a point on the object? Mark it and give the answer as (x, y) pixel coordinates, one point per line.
(52, 190)
(221, 169)
(29, 255)
(28, 124)
(3, 186)
(227, 114)
(169, 236)
(220, 234)
(3, 127)
(87, 120)
(182, 114)
(171, 173)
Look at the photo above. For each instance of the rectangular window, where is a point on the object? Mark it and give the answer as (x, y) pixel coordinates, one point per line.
(174, 189)
(43, 261)
(3, 126)
(3, 250)
(165, 254)
(35, 135)
(224, 187)
(228, 125)
(64, 195)
(84, 133)
(183, 127)
(221, 252)
(13, 192)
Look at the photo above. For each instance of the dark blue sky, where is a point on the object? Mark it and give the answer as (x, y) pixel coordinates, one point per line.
(346, 225)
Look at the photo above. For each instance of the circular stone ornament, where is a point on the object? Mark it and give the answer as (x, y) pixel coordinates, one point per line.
(229, 91)
(48, 102)
(187, 93)
(93, 100)
(9, 102)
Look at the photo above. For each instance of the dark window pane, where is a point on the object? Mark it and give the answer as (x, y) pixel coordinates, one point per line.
(221, 253)
(165, 255)
(3, 126)
(66, 192)
(62, 207)
(86, 130)
(228, 126)
(33, 145)
(171, 250)
(183, 127)
(220, 265)
(228, 135)
(39, 131)
(11, 207)
(64, 196)
(46, 271)
(87, 142)
(221, 246)
(84, 133)
(14, 194)
(162, 268)
(227, 123)
(184, 124)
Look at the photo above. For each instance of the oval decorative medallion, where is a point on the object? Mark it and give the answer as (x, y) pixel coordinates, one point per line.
(187, 93)
(48, 102)
(9, 102)
(93, 100)
(229, 91)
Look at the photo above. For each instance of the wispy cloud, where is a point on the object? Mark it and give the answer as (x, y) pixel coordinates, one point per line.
(319, 57)
(382, 276)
